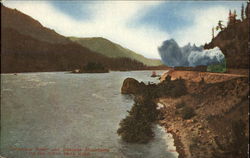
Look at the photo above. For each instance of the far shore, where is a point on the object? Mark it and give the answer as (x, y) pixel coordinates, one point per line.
(67, 71)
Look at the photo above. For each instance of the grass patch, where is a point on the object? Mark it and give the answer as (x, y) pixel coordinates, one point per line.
(221, 67)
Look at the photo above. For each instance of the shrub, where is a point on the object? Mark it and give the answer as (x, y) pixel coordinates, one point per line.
(137, 126)
(175, 88)
(187, 113)
(221, 67)
(135, 131)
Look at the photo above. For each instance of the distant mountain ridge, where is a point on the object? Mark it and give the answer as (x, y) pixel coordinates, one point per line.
(26, 25)
(113, 50)
(27, 46)
(12, 18)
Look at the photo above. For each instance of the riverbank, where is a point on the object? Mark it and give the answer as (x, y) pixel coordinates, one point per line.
(207, 113)
(177, 139)
(220, 106)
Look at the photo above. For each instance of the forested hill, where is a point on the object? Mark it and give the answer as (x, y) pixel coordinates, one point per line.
(233, 42)
(27, 46)
(113, 50)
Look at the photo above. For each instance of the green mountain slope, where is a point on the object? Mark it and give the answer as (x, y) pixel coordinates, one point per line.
(26, 25)
(110, 49)
(28, 46)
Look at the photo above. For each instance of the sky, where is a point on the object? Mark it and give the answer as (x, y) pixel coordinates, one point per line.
(141, 26)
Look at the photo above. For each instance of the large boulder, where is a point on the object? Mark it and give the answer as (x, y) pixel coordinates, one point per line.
(131, 86)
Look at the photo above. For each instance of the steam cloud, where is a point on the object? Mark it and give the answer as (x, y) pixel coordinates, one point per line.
(205, 57)
(173, 55)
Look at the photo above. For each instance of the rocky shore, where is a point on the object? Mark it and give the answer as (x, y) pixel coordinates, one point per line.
(206, 113)
(219, 127)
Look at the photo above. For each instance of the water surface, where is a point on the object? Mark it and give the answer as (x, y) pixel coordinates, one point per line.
(58, 110)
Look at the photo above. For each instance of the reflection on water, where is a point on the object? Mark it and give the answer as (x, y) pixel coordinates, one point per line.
(61, 110)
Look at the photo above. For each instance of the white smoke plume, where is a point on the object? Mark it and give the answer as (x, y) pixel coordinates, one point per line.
(173, 55)
(205, 57)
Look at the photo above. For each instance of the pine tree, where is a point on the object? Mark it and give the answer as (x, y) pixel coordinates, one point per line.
(235, 13)
(247, 10)
(242, 12)
(229, 17)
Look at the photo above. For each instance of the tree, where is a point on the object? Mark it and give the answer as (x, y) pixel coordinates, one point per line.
(242, 12)
(247, 10)
(235, 14)
(220, 26)
(229, 17)
(213, 32)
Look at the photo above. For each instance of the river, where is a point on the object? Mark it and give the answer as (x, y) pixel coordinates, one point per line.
(43, 114)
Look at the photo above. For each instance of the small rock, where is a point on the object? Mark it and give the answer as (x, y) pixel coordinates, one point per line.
(189, 121)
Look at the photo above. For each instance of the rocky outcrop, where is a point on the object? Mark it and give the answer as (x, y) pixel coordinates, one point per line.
(168, 87)
(233, 42)
(205, 112)
(219, 126)
(131, 86)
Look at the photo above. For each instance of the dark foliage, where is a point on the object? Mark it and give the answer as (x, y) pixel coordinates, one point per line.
(94, 67)
(22, 53)
(135, 131)
(187, 113)
(137, 126)
(220, 67)
(172, 88)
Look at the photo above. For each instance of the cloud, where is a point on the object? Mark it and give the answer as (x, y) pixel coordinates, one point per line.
(201, 30)
(108, 19)
(206, 57)
(111, 19)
